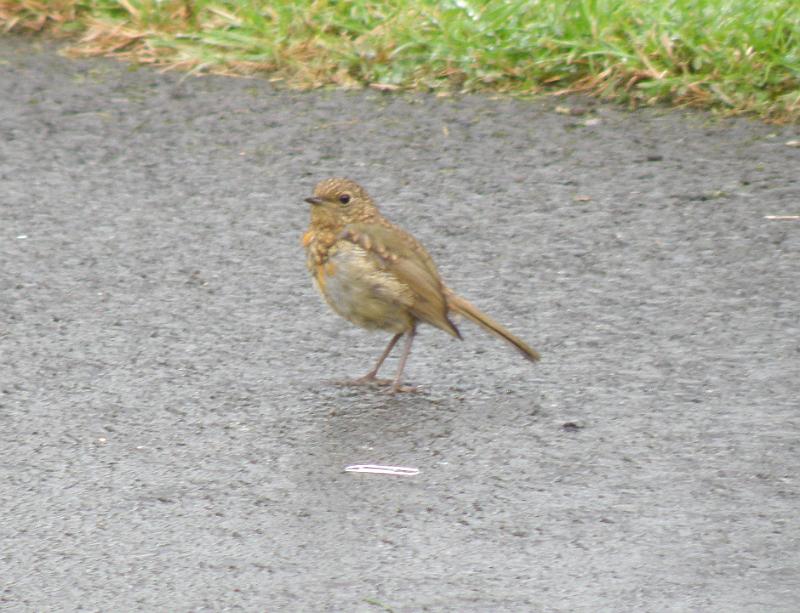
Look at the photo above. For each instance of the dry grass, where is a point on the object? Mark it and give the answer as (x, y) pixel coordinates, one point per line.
(736, 56)
(31, 16)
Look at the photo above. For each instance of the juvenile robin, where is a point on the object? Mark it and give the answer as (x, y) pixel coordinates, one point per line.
(379, 277)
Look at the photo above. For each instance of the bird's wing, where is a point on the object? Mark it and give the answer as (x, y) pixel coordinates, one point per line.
(399, 254)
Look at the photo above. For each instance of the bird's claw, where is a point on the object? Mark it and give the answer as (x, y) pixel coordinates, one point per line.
(402, 389)
(393, 386)
(370, 379)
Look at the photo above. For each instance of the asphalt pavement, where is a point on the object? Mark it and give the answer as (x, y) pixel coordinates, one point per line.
(172, 436)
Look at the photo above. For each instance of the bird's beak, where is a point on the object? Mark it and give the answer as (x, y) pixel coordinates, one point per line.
(314, 200)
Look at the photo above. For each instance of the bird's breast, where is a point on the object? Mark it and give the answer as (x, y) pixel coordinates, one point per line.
(356, 287)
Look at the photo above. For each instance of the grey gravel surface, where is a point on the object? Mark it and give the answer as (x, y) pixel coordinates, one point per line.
(171, 434)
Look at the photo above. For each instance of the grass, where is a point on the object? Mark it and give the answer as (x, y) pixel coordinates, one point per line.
(737, 56)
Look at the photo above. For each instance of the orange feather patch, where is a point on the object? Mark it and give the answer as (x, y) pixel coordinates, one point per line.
(323, 272)
(321, 277)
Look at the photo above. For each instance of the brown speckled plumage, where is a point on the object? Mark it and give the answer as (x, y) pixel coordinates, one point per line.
(378, 276)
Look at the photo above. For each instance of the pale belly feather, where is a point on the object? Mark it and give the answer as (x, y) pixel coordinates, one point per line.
(362, 294)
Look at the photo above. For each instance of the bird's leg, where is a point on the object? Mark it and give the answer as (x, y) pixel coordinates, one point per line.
(397, 386)
(372, 375)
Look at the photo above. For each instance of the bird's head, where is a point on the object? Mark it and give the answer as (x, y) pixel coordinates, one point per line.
(337, 202)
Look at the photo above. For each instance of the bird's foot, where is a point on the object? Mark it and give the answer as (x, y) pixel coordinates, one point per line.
(399, 388)
(371, 379)
(368, 379)
(394, 387)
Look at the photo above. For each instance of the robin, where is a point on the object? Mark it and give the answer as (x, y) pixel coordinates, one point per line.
(379, 277)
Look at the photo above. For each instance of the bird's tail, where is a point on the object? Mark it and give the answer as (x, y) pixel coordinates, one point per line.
(457, 304)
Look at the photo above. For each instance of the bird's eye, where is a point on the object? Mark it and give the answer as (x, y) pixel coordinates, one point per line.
(344, 198)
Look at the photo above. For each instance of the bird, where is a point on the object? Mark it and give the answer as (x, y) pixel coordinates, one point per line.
(379, 277)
